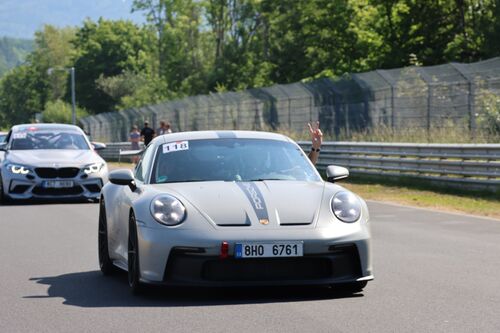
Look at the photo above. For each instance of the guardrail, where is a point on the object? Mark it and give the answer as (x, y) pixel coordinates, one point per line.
(112, 151)
(475, 165)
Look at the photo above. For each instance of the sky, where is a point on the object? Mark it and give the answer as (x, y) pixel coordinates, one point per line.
(21, 18)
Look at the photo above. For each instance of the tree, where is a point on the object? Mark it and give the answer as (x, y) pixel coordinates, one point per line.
(108, 48)
(22, 94)
(237, 28)
(157, 13)
(54, 49)
(181, 43)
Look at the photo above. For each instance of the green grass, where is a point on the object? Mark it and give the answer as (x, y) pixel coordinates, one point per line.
(422, 194)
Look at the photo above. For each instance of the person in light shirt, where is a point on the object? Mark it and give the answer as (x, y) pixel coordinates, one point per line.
(164, 128)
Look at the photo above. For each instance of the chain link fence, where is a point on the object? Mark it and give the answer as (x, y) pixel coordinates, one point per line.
(445, 96)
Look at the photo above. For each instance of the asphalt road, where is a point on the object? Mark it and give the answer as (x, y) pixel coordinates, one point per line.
(434, 272)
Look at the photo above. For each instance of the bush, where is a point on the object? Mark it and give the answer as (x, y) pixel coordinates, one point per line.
(61, 112)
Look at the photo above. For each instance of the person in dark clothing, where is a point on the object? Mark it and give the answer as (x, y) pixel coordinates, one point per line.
(147, 133)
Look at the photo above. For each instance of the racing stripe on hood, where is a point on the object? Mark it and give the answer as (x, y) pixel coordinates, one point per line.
(256, 199)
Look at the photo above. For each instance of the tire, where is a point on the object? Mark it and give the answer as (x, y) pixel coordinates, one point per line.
(133, 257)
(3, 198)
(105, 262)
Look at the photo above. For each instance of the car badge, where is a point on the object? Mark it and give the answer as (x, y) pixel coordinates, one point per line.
(264, 221)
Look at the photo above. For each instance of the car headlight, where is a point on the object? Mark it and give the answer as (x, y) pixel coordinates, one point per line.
(346, 207)
(93, 168)
(18, 169)
(168, 210)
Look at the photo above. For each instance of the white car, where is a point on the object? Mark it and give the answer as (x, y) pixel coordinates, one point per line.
(50, 161)
(232, 208)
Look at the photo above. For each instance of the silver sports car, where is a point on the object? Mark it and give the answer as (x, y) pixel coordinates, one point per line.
(50, 161)
(232, 208)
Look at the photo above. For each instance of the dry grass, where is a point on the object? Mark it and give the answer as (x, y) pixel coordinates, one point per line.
(474, 203)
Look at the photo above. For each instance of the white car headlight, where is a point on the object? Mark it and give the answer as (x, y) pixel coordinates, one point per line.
(346, 207)
(18, 169)
(93, 168)
(167, 209)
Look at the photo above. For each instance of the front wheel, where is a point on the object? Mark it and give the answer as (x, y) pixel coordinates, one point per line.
(133, 257)
(3, 197)
(105, 263)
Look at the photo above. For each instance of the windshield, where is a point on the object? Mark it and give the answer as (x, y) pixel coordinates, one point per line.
(231, 160)
(45, 139)
(2, 137)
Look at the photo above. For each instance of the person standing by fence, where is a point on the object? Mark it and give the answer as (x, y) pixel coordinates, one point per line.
(164, 128)
(134, 137)
(147, 133)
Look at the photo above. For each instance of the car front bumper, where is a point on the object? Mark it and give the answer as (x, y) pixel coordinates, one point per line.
(175, 257)
(32, 186)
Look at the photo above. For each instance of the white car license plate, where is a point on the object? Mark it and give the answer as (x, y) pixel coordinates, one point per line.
(58, 183)
(266, 250)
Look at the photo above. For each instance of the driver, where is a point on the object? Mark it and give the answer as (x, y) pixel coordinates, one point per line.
(66, 142)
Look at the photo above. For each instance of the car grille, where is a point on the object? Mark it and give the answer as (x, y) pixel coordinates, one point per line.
(340, 263)
(38, 190)
(275, 269)
(57, 172)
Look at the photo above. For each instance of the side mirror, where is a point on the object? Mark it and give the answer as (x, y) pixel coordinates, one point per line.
(98, 145)
(123, 177)
(334, 173)
(3, 146)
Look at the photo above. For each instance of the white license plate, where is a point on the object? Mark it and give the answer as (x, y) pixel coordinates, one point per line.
(58, 183)
(266, 250)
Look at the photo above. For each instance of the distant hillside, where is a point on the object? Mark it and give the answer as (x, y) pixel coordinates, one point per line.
(21, 18)
(13, 52)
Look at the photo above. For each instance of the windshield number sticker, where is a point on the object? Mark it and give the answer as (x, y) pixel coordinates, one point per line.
(19, 135)
(175, 146)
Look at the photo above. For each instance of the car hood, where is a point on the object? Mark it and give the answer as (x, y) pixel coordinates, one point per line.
(52, 157)
(272, 203)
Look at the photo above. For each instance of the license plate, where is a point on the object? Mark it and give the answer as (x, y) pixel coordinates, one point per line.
(58, 183)
(266, 250)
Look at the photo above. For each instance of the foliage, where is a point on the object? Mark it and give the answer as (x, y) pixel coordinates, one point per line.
(190, 47)
(61, 112)
(489, 119)
(134, 90)
(106, 49)
(54, 50)
(13, 52)
(22, 94)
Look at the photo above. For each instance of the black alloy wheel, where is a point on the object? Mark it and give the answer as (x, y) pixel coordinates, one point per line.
(105, 262)
(133, 256)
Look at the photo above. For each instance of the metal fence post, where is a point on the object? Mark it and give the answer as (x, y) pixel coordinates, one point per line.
(390, 81)
(470, 100)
